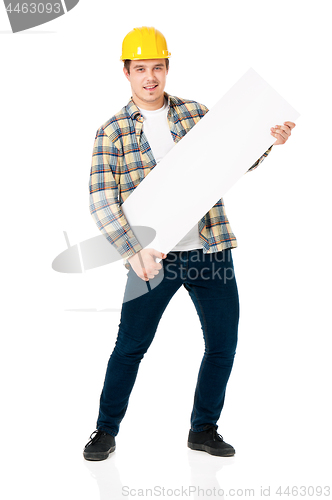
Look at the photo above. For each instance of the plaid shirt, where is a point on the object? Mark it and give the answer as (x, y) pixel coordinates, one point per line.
(122, 158)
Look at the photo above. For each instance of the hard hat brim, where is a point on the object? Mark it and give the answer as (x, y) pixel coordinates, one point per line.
(140, 58)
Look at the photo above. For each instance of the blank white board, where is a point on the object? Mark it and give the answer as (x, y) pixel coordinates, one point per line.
(207, 161)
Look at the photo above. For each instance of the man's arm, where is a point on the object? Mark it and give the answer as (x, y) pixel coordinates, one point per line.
(107, 213)
(259, 161)
(104, 197)
(281, 133)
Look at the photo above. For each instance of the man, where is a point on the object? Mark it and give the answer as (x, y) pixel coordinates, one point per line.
(126, 148)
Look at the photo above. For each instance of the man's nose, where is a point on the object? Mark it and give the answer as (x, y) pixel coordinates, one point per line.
(150, 73)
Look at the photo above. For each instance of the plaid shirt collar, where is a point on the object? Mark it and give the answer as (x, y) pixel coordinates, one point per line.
(176, 127)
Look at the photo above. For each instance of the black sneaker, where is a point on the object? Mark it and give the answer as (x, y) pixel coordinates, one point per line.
(210, 441)
(99, 446)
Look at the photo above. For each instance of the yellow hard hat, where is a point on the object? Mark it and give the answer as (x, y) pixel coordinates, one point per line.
(144, 43)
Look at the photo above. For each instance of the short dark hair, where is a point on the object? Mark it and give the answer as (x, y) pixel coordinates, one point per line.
(127, 62)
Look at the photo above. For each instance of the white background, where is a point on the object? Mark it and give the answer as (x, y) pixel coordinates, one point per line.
(59, 83)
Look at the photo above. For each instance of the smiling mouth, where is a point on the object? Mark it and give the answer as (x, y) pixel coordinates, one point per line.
(150, 87)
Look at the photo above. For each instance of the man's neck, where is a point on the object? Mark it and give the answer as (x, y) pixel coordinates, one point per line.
(149, 106)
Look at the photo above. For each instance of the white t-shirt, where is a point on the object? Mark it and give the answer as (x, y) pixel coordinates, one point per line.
(158, 134)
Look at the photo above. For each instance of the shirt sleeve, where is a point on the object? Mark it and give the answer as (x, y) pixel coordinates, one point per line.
(104, 197)
(259, 161)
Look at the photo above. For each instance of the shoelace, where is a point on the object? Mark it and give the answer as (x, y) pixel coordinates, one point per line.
(215, 435)
(97, 435)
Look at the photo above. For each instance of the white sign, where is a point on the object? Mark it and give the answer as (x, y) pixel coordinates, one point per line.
(207, 161)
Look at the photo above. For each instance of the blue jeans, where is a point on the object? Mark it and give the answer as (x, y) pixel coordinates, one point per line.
(211, 284)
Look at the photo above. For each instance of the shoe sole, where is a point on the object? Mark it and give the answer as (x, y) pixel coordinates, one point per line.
(97, 456)
(211, 451)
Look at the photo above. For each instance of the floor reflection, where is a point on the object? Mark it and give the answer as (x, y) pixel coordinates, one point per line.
(106, 474)
(203, 474)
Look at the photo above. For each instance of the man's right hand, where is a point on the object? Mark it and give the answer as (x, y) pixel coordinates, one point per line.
(144, 264)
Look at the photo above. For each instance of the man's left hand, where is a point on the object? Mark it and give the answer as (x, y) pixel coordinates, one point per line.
(282, 132)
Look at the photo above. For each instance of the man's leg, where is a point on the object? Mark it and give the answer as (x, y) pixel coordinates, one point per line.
(213, 289)
(139, 320)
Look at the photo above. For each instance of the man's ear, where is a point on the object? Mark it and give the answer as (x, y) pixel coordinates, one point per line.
(126, 73)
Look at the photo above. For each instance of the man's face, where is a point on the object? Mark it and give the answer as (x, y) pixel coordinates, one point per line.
(147, 79)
